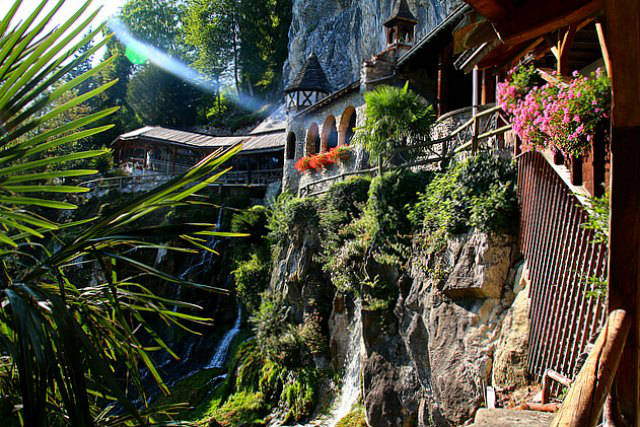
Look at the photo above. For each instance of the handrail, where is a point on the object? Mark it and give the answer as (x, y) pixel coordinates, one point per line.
(304, 191)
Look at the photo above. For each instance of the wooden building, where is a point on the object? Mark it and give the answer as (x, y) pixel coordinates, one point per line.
(168, 152)
(567, 36)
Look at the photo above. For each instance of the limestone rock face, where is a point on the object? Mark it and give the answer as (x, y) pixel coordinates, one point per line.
(344, 33)
(510, 364)
(429, 361)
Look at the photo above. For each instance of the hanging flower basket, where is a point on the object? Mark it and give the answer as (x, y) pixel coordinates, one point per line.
(323, 161)
(561, 116)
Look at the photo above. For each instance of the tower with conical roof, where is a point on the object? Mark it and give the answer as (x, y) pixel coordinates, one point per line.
(309, 86)
(400, 27)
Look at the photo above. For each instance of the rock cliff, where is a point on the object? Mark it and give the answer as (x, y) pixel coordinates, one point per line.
(343, 33)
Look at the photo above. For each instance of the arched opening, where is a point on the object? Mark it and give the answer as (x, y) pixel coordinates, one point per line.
(313, 140)
(291, 146)
(329, 134)
(347, 125)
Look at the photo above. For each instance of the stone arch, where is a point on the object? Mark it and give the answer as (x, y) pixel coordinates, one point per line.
(329, 134)
(347, 124)
(291, 146)
(313, 140)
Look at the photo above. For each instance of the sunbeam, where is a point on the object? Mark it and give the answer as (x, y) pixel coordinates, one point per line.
(139, 52)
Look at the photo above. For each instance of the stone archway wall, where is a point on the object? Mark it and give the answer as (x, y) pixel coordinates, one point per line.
(329, 134)
(312, 144)
(348, 121)
(350, 106)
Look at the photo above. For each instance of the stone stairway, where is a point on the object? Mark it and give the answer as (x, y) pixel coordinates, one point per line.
(511, 418)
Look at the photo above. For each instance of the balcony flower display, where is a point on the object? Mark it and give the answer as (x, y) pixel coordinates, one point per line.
(562, 116)
(323, 160)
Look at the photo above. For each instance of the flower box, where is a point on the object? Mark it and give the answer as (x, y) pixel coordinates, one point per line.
(323, 161)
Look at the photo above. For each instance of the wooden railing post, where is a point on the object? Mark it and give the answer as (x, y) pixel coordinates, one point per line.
(476, 132)
(584, 403)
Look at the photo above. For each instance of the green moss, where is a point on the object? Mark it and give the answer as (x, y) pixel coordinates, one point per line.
(355, 418)
(242, 408)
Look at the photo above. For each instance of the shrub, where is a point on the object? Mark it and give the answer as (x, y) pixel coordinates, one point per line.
(349, 196)
(288, 213)
(252, 221)
(478, 192)
(251, 279)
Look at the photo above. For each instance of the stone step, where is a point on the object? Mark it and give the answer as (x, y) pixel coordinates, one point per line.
(511, 418)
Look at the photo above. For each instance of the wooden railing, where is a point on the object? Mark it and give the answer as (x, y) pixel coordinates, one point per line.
(561, 257)
(426, 152)
(259, 178)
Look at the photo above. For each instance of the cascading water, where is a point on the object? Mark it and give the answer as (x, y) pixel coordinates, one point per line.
(203, 261)
(222, 350)
(351, 385)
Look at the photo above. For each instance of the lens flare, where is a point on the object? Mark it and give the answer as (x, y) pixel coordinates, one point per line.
(139, 53)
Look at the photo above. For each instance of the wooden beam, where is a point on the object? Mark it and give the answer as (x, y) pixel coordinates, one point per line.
(535, 19)
(584, 402)
(623, 37)
(603, 47)
(493, 9)
(563, 50)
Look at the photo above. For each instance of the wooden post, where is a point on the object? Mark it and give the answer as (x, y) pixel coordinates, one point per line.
(474, 138)
(584, 402)
(564, 46)
(603, 47)
(623, 41)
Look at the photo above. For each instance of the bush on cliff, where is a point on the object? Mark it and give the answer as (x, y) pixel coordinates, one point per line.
(478, 192)
(290, 213)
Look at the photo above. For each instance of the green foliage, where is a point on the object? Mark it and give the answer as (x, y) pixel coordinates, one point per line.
(348, 197)
(66, 345)
(291, 213)
(251, 279)
(243, 40)
(252, 221)
(598, 212)
(478, 192)
(393, 116)
(162, 99)
(361, 251)
(242, 408)
(156, 22)
(271, 384)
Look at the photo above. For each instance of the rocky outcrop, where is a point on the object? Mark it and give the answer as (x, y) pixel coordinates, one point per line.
(344, 33)
(510, 362)
(429, 361)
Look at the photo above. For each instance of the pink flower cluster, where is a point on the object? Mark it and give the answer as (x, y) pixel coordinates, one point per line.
(562, 117)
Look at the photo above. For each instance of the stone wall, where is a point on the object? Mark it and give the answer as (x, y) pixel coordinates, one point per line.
(300, 125)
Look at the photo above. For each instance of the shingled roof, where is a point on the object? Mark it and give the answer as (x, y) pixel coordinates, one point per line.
(401, 12)
(310, 78)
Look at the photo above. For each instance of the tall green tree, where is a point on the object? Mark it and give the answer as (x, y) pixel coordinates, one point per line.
(159, 98)
(65, 347)
(156, 22)
(241, 40)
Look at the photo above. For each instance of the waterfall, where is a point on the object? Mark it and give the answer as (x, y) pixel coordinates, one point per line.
(203, 261)
(351, 385)
(350, 389)
(222, 350)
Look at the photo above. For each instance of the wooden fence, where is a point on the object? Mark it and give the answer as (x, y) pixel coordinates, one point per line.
(561, 256)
